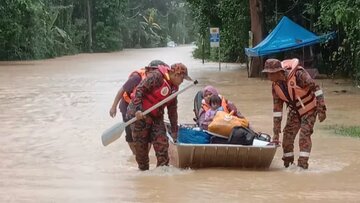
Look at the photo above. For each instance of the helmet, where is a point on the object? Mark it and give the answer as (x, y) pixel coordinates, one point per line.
(155, 63)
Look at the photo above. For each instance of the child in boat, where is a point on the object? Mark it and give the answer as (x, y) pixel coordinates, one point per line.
(215, 105)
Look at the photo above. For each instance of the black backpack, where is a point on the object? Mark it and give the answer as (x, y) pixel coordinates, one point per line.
(241, 135)
(246, 136)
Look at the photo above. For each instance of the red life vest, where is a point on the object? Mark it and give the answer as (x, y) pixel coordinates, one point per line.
(300, 99)
(160, 93)
(206, 106)
(142, 74)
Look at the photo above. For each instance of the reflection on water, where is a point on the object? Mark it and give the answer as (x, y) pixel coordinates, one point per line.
(54, 111)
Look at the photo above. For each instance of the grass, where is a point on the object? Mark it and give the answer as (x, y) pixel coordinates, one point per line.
(351, 131)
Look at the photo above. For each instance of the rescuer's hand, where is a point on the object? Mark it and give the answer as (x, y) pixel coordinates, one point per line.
(275, 137)
(139, 115)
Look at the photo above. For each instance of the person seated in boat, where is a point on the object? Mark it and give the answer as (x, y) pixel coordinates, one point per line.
(215, 106)
(207, 92)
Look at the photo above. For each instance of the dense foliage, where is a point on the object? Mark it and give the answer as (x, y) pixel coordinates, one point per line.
(35, 29)
(232, 17)
(339, 56)
(343, 53)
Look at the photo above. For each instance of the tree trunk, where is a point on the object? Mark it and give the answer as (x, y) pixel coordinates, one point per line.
(89, 24)
(257, 28)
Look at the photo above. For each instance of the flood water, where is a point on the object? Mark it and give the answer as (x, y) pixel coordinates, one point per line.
(53, 112)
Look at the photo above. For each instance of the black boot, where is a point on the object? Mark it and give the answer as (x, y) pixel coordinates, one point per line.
(303, 164)
(288, 161)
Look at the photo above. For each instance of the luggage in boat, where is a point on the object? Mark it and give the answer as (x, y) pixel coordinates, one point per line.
(241, 135)
(185, 155)
(219, 153)
(193, 135)
(218, 140)
(223, 123)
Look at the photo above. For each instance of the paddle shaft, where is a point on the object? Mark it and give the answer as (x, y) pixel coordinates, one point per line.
(116, 130)
(162, 102)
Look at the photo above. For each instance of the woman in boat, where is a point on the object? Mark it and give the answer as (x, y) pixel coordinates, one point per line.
(228, 106)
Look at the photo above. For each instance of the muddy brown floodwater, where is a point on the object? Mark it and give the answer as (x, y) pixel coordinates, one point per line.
(54, 111)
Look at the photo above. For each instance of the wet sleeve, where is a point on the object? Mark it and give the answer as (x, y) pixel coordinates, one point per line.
(152, 81)
(173, 115)
(231, 106)
(305, 80)
(207, 116)
(277, 111)
(131, 83)
(201, 117)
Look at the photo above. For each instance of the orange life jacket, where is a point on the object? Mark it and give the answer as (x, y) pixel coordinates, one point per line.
(160, 93)
(206, 106)
(142, 73)
(300, 99)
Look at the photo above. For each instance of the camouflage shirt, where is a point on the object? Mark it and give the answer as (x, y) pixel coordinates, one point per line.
(303, 80)
(153, 80)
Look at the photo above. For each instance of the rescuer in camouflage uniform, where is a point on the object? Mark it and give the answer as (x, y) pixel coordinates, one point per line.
(123, 97)
(150, 128)
(304, 99)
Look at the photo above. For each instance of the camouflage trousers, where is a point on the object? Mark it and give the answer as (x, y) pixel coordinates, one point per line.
(295, 123)
(150, 130)
(128, 135)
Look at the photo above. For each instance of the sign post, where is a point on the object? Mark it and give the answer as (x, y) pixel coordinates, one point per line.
(215, 40)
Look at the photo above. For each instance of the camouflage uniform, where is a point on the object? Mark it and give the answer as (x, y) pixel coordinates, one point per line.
(295, 122)
(151, 129)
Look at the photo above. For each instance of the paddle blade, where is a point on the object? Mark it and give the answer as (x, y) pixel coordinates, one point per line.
(113, 133)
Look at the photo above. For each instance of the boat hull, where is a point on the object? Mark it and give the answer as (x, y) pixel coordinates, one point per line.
(220, 155)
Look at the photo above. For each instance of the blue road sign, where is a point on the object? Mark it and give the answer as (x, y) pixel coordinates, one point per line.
(214, 37)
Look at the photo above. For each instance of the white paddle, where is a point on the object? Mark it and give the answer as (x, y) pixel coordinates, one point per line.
(114, 133)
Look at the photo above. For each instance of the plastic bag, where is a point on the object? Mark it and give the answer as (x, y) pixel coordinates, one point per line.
(193, 136)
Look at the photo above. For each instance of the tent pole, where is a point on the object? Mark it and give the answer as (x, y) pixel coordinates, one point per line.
(303, 59)
(261, 65)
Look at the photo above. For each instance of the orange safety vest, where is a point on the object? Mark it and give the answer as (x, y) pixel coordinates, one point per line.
(160, 93)
(300, 99)
(142, 74)
(206, 106)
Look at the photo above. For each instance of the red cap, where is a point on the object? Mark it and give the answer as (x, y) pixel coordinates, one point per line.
(180, 69)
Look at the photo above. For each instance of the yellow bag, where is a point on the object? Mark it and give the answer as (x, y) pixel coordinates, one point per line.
(223, 123)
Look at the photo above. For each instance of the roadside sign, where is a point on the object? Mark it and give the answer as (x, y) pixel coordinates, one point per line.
(214, 37)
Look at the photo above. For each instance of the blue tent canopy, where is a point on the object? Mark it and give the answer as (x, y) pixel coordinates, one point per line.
(287, 35)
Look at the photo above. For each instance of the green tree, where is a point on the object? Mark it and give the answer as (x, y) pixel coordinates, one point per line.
(148, 29)
(344, 17)
(107, 20)
(34, 29)
(232, 17)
